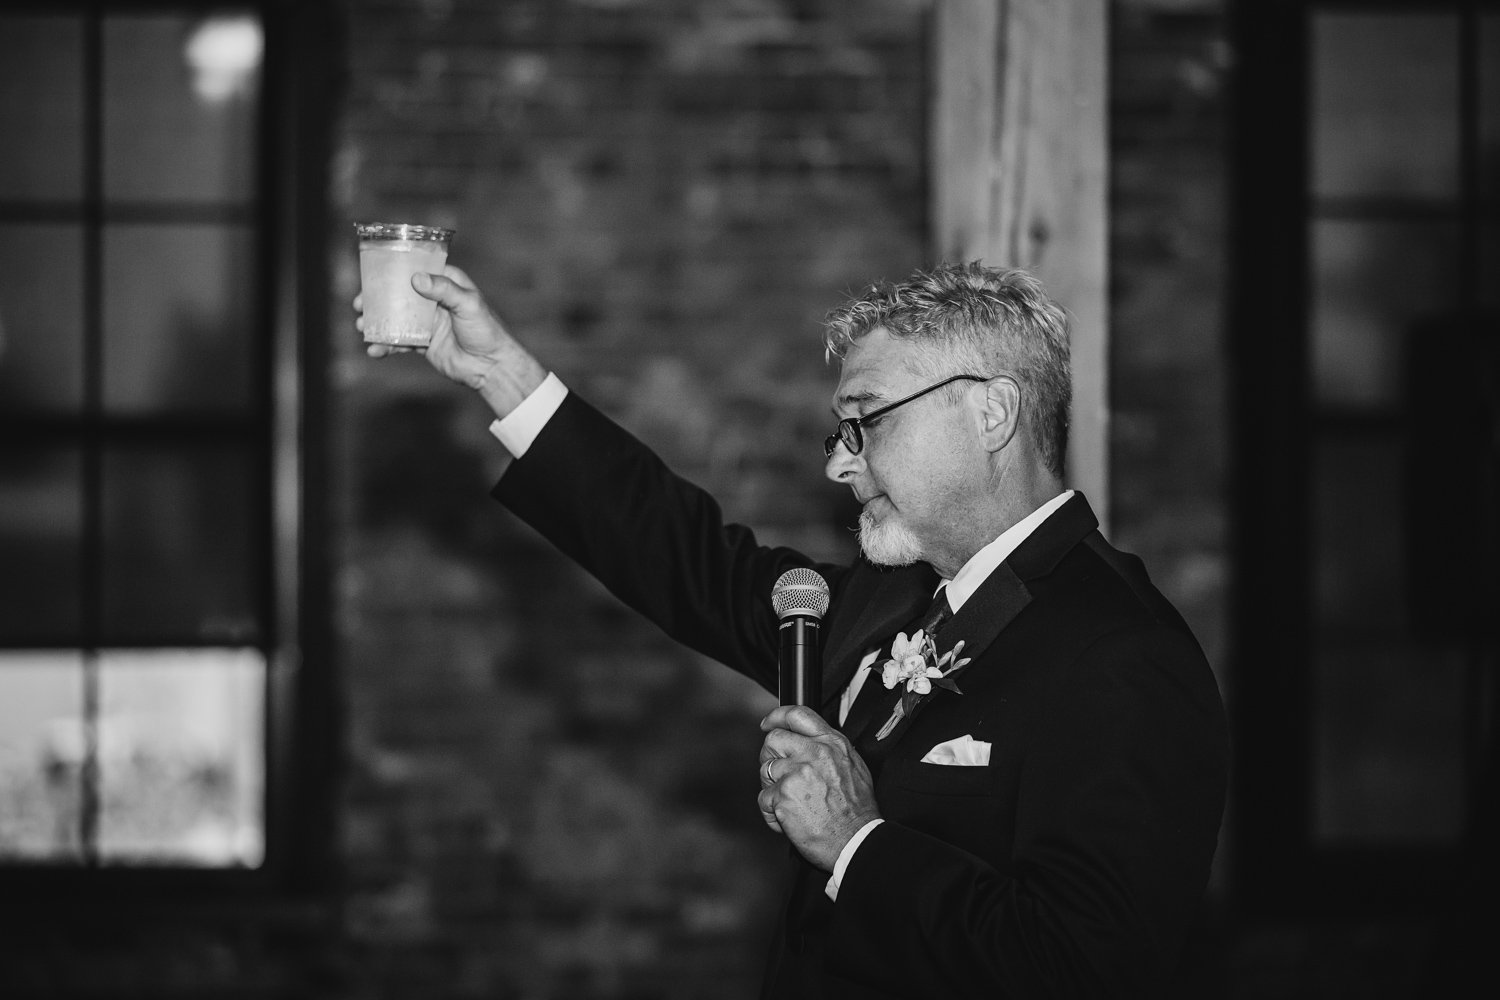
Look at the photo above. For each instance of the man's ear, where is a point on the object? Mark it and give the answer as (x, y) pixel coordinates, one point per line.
(999, 411)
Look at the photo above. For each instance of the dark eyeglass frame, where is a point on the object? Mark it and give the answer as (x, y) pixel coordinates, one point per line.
(848, 431)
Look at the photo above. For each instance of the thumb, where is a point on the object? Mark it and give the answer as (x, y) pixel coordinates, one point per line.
(434, 286)
(461, 301)
(798, 719)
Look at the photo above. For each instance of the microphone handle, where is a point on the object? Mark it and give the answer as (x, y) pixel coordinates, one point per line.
(800, 662)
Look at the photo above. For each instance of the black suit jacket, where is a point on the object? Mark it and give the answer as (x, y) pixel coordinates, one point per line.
(1071, 865)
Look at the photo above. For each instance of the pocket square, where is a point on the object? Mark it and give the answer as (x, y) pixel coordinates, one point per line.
(965, 751)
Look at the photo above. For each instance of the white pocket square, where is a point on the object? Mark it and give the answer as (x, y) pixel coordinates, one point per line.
(965, 751)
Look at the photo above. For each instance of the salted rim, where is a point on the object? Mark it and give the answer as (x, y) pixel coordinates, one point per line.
(401, 231)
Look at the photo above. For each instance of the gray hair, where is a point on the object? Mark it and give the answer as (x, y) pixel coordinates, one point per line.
(973, 319)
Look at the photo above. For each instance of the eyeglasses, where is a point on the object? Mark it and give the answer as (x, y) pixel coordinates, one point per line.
(848, 430)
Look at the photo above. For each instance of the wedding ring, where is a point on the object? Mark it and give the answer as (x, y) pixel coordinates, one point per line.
(766, 770)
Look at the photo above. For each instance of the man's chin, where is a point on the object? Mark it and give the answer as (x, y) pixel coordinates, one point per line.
(888, 543)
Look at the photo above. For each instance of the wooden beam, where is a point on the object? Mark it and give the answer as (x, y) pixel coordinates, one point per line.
(1019, 151)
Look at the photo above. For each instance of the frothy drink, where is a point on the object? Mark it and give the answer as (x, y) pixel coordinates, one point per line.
(389, 254)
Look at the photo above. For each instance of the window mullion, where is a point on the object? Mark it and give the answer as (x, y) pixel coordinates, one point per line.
(92, 458)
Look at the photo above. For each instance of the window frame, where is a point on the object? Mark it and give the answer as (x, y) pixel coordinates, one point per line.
(1278, 867)
(300, 70)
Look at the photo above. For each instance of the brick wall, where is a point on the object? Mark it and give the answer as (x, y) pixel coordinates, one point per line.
(546, 797)
(1170, 63)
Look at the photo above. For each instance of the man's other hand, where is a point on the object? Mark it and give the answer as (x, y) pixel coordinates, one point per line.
(814, 788)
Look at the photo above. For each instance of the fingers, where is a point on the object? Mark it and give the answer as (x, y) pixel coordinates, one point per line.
(797, 731)
(770, 776)
(781, 743)
(767, 803)
(783, 752)
(376, 350)
(766, 800)
(798, 719)
(381, 350)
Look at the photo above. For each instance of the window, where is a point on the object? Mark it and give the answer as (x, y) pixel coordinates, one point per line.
(152, 493)
(1367, 329)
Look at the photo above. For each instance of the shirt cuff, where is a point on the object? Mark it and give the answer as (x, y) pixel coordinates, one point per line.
(831, 890)
(519, 428)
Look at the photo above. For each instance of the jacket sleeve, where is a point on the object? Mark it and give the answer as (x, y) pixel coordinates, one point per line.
(656, 541)
(1118, 816)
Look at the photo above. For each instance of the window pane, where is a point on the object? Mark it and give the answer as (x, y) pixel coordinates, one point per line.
(181, 751)
(41, 755)
(182, 549)
(1388, 755)
(179, 108)
(1387, 714)
(41, 108)
(178, 318)
(40, 530)
(1358, 526)
(41, 317)
(1384, 105)
(1374, 283)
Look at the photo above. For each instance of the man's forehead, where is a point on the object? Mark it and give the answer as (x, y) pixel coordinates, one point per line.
(870, 382)
(873, 366)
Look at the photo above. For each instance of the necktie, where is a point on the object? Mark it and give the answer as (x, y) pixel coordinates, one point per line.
(938, 614)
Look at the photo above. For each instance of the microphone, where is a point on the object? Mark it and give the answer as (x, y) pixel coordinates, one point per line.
(800, 598)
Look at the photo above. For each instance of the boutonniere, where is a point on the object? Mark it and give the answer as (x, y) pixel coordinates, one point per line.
(915, 662)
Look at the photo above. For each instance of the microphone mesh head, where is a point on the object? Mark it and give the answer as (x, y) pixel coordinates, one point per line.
(800, 591)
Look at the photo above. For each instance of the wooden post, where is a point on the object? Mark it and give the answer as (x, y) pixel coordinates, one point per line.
(1019, 172)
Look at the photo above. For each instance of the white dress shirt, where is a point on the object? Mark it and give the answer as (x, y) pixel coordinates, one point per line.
(518, 428)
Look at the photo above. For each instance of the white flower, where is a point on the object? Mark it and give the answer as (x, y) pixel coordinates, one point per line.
(902, 647)
(915, 662)
(908, 664)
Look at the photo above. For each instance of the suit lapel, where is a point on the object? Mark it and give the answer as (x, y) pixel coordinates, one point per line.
(893, 601)
(997, 602)
(982, 618)
(984, 615)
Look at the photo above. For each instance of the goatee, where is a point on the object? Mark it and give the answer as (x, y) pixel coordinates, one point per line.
(888, 542)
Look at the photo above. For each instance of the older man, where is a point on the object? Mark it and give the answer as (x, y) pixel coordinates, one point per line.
(1015, 783)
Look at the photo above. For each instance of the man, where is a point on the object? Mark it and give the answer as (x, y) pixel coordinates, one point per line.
(1014, 785)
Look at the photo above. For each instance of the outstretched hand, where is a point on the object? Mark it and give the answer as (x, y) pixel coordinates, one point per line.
(814, 788)
(470, 345)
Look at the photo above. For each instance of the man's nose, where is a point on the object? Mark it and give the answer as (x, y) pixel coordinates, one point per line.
(842, 464)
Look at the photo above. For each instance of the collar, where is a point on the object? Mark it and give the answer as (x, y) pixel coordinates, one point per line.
(971, 576)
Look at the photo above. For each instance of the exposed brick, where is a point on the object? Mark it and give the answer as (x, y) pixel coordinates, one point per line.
(646, 190)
